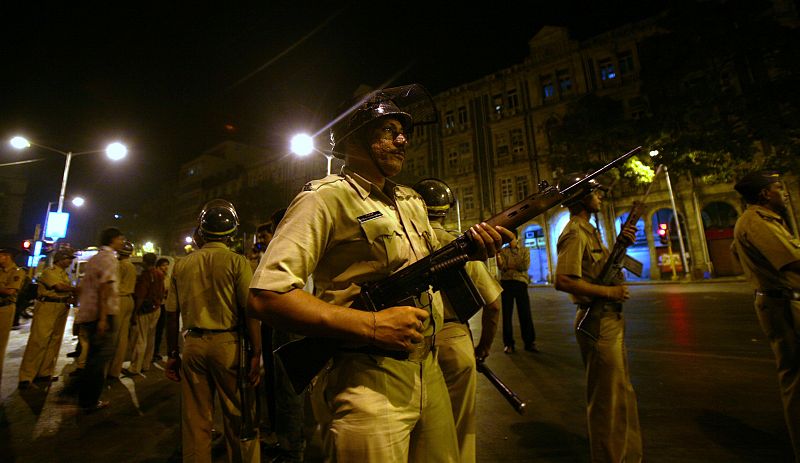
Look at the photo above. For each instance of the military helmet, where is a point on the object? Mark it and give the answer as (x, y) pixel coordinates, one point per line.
(399, 102)
(127, 249)
(218, 220)
(439, 198)
(567, 180)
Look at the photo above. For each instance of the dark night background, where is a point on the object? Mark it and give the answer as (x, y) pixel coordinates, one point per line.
(167, 79)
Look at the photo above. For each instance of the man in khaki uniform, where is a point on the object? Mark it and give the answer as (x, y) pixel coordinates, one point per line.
(612, 414)
(455, 349)
(127, 283)
(352, 228)
(513, 262)
(770, 256)
(209, 289)
(54, 294)
(11, 279)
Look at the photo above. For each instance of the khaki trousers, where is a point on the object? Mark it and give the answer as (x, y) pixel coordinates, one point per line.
(377, 409)
(456, 354)
(210, 364)
(125, 314)
(6, 321)
(144, 336)
(44, 340)
(780, 320)
(612, 414)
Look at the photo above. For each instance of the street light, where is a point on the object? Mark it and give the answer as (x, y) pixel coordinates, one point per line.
(302, 144)
(78, 201)
(654, 153)
(115, 151)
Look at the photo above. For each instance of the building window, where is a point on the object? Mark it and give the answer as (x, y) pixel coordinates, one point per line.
(564, 81)
(506, 191)
(513, 99)
(462, 115)
(548, 90)
(469, 198)
(522, 187)
(517, 141)
(607, 71)
(625, 63)
(501, 147)
(449, 122)
(452, 160)
(497, 102)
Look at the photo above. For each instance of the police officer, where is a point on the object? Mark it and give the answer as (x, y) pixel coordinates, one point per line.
(127, 283)
(355, 227)
(455, 349)
(55, 293)
(11, 279)
(612, 413)
(770, 257)
(209, 289)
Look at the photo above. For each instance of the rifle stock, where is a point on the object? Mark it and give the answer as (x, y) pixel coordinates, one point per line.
(589, 324)
(442, 270)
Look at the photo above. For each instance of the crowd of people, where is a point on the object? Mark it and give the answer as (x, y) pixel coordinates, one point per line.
(400, 381)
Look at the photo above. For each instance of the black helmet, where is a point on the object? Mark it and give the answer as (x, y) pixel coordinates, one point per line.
(127, 249)
(218, 220)
(572, 178)
(399, 102)
(439, 198)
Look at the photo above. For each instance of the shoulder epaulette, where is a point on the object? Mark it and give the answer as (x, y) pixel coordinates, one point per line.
(315, 185)
(769, 217)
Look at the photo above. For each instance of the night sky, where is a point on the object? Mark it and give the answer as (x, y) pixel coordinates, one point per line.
(166, 79)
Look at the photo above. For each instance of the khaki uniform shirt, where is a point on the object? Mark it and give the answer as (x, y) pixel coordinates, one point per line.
(127, 277)
(763, 245)
(11, 278)
(486, 285)
(347, 231)
(514, 263)
(209, 287)
(100, 270)
(49, 278)
(581, 253)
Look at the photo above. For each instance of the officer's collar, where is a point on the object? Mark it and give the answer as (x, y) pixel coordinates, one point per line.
(585, 223)
(215, 244)
(765, 211)
(364, 186)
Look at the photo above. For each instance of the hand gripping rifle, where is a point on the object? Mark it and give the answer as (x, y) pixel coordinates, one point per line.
(506, 391)
(618, 259)
(442, 270)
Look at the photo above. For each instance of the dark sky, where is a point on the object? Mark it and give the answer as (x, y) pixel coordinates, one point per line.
(165, 79)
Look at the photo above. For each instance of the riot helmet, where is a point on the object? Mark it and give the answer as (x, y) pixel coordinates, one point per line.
(127, 249)
(218, 220)
(398, 102)
(439, 198)
(567, 180)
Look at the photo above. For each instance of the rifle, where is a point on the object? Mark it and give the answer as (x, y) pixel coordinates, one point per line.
(442, 270)
(618, 259)
(506, 391)
(247, 428)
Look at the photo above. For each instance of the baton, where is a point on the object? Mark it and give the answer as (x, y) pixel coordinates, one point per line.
(507, 393)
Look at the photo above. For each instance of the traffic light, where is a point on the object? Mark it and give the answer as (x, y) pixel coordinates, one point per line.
(26, 245)
(663, 233)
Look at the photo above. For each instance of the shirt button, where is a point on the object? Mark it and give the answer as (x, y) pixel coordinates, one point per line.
(392, 207)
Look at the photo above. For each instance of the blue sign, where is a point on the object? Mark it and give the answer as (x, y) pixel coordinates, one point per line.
(56, 225)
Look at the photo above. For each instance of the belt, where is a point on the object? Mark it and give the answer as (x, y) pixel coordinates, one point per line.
(420, 351)
(779, 294)
(208, 331)
(615, 307)
(52, 299)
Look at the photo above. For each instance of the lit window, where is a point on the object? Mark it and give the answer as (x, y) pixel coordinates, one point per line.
(607, 71)
(564, 81)
(498, 103)
(548, 89)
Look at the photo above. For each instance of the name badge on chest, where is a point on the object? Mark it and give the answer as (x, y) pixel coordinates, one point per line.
(370, 216)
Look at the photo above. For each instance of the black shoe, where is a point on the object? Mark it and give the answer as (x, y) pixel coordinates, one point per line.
(508, 349)
(45, 379)
(23, 385)
(532, 348)
(74, 354)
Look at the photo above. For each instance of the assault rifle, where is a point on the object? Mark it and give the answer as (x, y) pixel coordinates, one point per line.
(442, 270)
(618, 259)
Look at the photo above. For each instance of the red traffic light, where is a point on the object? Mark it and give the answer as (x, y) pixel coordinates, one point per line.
(26, 245)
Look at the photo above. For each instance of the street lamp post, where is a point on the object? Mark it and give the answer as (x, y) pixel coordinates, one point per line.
(677, 220)
(115, 151)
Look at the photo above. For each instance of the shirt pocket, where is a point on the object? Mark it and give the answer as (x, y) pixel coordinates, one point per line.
(385, 242)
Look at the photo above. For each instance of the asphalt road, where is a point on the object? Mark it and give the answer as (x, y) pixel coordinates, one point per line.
(703, 372)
